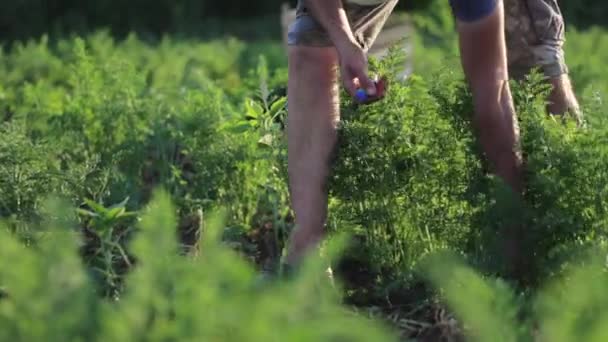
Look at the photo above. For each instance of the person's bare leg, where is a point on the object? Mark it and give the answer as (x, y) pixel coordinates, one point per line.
(484, 60)
(483, 52)
(312, 120)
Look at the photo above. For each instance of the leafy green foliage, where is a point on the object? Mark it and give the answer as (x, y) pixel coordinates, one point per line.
(486, 306)
(402, 176)
(167, 295)
(47, 291)
(107, 227)
(565, 197)
(98, 121)
(571, 308)
(588, 75)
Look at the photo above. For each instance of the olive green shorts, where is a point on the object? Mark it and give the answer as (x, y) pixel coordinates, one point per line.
(366, 23)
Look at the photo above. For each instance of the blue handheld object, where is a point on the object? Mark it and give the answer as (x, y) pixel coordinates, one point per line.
(361, 95)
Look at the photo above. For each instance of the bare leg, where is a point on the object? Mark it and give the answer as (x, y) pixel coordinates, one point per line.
(313, 117)
(484, 59)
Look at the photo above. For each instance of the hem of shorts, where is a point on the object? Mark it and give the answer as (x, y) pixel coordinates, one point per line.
(555, 70)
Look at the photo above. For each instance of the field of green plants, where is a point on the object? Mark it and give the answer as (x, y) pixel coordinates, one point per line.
(143, 193)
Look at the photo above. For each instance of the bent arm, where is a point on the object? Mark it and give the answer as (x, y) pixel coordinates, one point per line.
(332, 16)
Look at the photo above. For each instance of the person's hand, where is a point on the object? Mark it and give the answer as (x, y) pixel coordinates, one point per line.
(353, 66)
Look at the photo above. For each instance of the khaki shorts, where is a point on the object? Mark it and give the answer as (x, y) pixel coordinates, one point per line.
(366, 23)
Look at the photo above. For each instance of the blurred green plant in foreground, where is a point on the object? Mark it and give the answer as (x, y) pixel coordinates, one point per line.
(47, 296)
